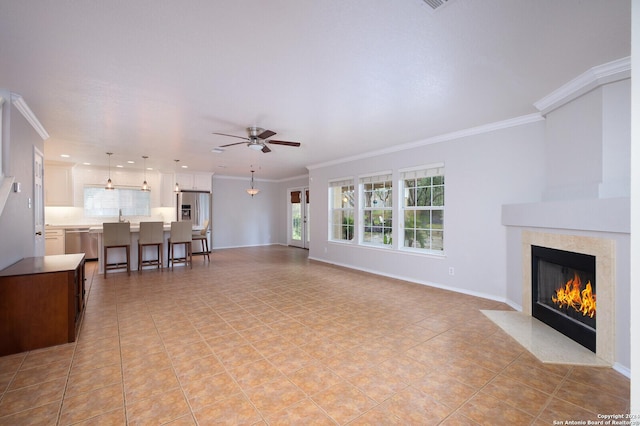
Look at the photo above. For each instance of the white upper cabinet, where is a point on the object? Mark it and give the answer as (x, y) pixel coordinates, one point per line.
(167, 187)
(58, 185)
(194, 181)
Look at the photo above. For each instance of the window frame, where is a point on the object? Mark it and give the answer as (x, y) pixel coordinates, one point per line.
(422, 172)
(343, 212)
(386, 179)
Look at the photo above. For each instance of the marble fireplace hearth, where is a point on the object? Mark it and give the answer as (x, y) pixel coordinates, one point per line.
(547, 344)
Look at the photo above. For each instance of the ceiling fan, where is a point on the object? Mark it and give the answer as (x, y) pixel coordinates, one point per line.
(257, 139)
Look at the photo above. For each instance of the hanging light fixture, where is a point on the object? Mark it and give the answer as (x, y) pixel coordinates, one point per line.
(109, 185)
(145, 185)
(177, 188)
(253, 190)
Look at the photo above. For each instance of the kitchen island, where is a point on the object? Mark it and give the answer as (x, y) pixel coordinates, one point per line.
(119, 255)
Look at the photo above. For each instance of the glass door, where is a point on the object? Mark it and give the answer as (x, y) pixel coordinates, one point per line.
(299, 217)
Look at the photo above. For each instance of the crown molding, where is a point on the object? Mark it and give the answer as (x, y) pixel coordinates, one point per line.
(486, 128)
(591, 79)
(228, 177)
(26, 112)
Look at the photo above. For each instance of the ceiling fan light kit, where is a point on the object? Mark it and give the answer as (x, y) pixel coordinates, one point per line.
(256, 140)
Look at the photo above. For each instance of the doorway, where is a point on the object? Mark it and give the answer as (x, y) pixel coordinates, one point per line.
(299, 218)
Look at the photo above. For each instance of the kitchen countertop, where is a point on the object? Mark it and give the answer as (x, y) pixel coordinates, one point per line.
(97, 228)
(135, 227)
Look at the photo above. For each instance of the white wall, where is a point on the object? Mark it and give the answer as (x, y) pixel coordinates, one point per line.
(17, 218)
(482, 173)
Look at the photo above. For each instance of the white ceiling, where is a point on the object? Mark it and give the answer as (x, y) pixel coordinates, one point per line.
(157, 77)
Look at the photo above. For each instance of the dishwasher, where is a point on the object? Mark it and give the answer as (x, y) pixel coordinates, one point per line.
(80, 240)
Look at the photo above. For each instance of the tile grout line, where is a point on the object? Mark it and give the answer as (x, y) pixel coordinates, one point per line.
(75, 347)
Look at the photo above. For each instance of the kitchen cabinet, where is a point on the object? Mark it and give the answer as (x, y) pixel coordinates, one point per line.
(54, 241)
(58, 185)
(41, 302)
(167, 187)
(194, 181)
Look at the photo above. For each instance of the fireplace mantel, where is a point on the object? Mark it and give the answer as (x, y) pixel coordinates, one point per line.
(599, 215)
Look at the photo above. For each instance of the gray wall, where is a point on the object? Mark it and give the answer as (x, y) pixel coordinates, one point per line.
(16, 220)
(483, 172)
(240, 220)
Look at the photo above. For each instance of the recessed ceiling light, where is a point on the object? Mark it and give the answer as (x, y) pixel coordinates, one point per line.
(65, 155)
(185, 167)
(120, 166)
(87, 164)
(131, 162)
(149, 168)
(217, 150)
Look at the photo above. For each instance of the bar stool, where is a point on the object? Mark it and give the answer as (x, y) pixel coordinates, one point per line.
(151, 234)
(204, 242)
(180, 234)
(116, 235)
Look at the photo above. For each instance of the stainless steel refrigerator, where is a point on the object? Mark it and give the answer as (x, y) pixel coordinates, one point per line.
(194, 206)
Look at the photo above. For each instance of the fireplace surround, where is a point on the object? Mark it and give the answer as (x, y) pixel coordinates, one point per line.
(564, 292)
(603, 251)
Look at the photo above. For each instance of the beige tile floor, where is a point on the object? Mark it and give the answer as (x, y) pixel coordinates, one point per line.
(265, 336)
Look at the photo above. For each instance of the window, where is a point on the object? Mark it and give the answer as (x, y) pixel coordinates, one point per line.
(376, 210)
(99, 202)
(423, 208)
(342, 204)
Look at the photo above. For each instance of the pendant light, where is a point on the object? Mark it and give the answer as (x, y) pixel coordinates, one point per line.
(253, 190)
(177, 188)
(109, 185)
(145, 185)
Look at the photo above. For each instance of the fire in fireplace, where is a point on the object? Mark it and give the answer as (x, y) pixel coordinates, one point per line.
(564, 292)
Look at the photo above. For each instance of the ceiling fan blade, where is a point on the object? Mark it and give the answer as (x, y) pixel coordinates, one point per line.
(231, 144)
(265, 149)
(266, 134)
(284, 143)
(233, 136)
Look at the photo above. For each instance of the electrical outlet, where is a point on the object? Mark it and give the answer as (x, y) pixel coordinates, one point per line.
(451, 270)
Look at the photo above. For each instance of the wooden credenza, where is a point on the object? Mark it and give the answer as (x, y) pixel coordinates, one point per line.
(41, 302)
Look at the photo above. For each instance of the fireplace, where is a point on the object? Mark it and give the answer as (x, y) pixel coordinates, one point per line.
(603, 250)
(564, 292)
